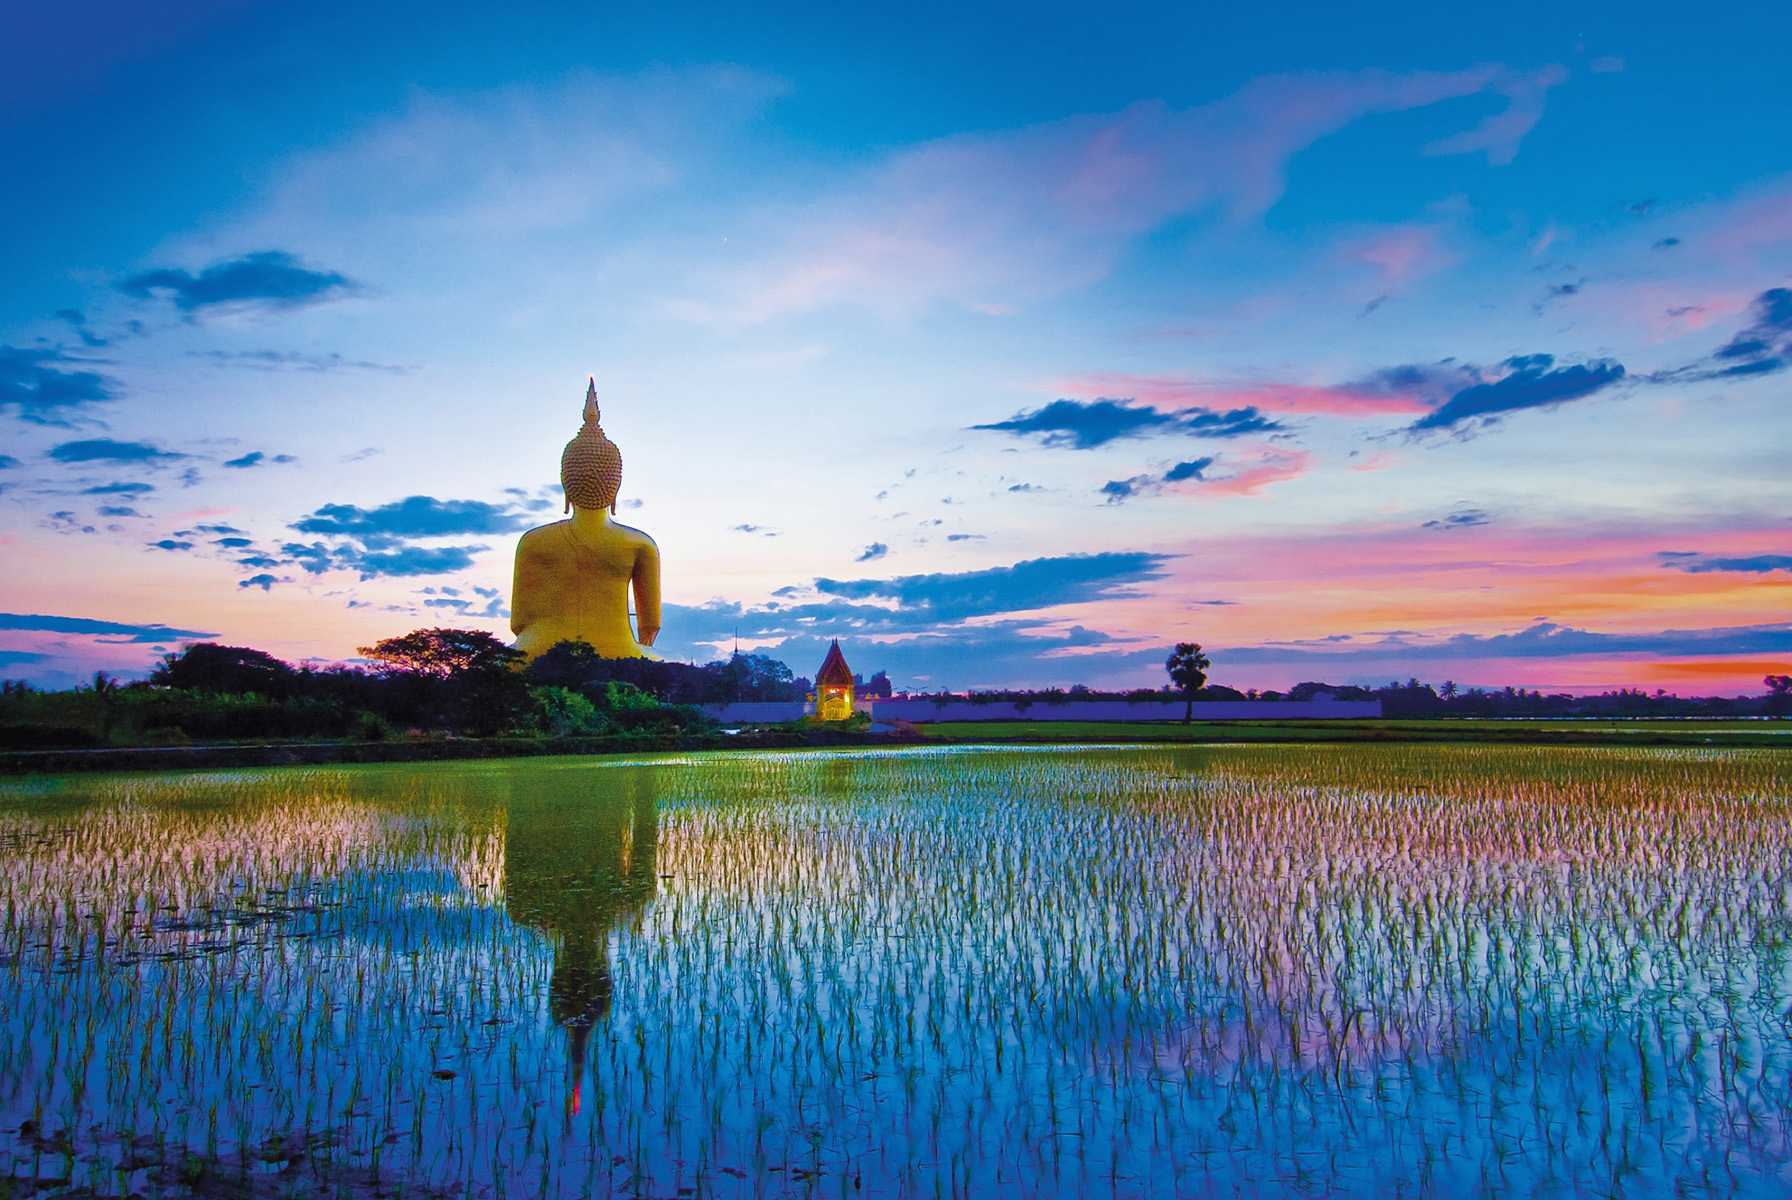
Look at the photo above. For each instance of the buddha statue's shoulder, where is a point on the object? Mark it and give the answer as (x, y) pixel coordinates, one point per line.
(633, 536)
(549, 539)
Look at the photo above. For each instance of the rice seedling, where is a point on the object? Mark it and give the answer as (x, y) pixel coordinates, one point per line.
(1240, 970)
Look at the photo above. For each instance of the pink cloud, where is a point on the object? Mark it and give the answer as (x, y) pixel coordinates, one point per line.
(1351, 589)
(1401, 255)
(1366, 399)
(1381, 460)
(1275, 466)
(1501, 133)
(1766, 221)
(999, 218)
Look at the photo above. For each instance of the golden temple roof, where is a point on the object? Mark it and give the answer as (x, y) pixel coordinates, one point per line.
(834, 671)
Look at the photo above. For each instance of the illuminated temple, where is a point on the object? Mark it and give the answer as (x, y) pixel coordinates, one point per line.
(833, 686)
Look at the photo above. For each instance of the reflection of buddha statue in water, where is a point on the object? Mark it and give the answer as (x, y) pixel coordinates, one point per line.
(573, 577)
(578, 862)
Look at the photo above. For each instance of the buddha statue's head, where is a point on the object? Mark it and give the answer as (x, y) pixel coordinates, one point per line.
(591, 465)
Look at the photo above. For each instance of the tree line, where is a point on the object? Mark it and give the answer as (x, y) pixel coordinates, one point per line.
(430, 681)
(466, 682)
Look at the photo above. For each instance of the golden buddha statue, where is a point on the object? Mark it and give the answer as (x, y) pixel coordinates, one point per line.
(573, 577)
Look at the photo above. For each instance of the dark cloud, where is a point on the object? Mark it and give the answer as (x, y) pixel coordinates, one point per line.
(1234, 422)
(113, 510)
(964, 537)
(1187, 470)
(1033, 584)
(1763, 347)
(1024, 487)
(1699, 564)
(277, 360)
(383, 533)
(119, 489)
(1556, 292)
(264, 582)
(927, 606)
(112, 631)
(1667, 243)
(414, 516)
(1083, 425)
(78, 321)
(1118, 491)
(7, 462)
(414, 560)
(107, 450)
(171, 544)
(44, 394)
(66, 522)
(270, 279)
(873, 552)
(1432, 382)
(1073, 423)
(1542, 640)
(253, 458)
(1531, 381)
(399, 559)
(1766, 344)
(1465, 519)
(315, 558)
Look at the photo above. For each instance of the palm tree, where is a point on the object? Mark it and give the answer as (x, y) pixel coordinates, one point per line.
(1188, 670)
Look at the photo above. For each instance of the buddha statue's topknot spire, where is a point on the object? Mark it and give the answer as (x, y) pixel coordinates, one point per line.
(591, 465)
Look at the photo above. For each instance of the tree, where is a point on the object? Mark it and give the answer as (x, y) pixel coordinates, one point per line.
(209, 667)
(1779, 693)
(463, 675)
(1188, 671)
(441, 653)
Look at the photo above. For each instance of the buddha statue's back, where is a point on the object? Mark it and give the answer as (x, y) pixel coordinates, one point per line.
(573, 577)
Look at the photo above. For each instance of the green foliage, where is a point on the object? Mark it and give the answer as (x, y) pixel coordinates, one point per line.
(1187, 667)
(743, 677)
(562, 712)
(372, 727)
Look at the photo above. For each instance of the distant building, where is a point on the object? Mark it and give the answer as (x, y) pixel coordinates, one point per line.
(834, 686)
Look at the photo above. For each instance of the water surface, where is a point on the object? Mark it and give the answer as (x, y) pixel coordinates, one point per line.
(1231, 970)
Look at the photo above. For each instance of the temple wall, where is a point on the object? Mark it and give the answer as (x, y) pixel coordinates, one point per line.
(923, 711)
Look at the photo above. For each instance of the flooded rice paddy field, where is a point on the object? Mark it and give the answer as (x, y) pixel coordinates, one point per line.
(1356, 970)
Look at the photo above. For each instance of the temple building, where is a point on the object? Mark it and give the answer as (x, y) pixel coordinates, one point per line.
(833, 686)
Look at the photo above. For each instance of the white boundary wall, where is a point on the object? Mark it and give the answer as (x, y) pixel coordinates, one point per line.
(923, 711)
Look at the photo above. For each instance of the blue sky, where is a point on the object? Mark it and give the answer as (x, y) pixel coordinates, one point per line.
(1008, 344)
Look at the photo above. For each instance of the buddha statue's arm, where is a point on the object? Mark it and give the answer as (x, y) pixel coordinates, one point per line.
(646, 582)
(526, 602)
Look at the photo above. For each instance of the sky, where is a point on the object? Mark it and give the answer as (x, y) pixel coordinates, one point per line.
(1009, 344)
